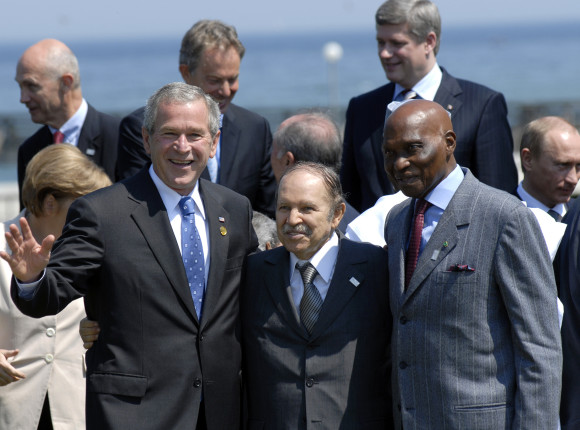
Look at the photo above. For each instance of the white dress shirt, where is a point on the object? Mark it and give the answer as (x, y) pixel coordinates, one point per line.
(324, 261)
(72, 128)
(427, 87)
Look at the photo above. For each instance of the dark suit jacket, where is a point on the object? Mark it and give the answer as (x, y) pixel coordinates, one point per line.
(98, 141)
(567, 270)
(479, 116)
(145, 371)
(246, 144)
(336, 378)
(475, 349)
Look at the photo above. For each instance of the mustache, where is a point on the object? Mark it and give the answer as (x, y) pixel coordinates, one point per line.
(300, 229)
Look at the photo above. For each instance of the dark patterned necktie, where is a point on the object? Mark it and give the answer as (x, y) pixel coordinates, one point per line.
(415, 241)
(192, 254)
(311, 300)
(557, 217)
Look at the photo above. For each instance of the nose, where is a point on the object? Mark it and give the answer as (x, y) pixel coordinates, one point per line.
(293, 217)
(400, 163)
(24, 97)
(181, 144)
(385, 51)
(573, 175)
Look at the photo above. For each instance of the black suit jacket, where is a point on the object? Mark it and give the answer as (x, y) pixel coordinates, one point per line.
(479, 116)
(567, 271)
(246, 144)
(335, 378)
(153, 356)
(98, 141)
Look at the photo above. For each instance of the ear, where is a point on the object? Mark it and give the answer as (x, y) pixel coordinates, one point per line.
(214, 145)
(49, 205)
(450, 140)
(430, 42)
(289, 159)
(527, 159)
(67, 81)
(184, 71)
(146, 142)
(338, 214)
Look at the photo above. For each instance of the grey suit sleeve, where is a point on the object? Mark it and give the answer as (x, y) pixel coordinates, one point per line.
(523, 271)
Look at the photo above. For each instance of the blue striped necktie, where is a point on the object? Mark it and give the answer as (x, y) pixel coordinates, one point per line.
(192, 253)
(311, 300)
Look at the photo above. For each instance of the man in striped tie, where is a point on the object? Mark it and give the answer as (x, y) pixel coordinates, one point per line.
(316, 321)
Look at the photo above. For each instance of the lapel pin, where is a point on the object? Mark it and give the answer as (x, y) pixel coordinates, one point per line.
(354, 281)
(223, 230)
(221, 219)
(449, 107)
(90, 152)
(435, 255)
(445, 244)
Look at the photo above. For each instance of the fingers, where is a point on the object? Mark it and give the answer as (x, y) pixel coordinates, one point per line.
(89, 331)
(8, 373)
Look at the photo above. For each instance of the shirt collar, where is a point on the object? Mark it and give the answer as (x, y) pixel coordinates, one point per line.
(72, 128)
(532, 202)
(171, 198)
(427, 87)
(442, 194)
(323, 261)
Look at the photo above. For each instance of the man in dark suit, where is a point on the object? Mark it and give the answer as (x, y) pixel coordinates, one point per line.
(408, 34)
(316, 348)
(476, 341)
(210, 58)
(50, 87)
(550, 156)
(168, 354)
(567, 270)
(309, 137)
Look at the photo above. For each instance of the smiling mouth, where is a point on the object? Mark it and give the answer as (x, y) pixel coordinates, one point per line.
(181, 162)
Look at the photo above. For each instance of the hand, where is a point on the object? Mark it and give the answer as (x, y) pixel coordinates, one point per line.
(8, 373)
(89, 331)
(28, 258)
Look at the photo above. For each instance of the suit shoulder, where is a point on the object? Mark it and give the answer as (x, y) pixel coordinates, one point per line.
(245, 114)
(362, 248)
(227, 196)
(104, 118)
(372, 97)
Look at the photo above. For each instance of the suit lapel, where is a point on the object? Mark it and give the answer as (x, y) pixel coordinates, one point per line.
(151, 217)
(217, 217)
(277, 282)
(345, 281)
(448, 94)
(446, 235)
(90, 141)
(229, 138)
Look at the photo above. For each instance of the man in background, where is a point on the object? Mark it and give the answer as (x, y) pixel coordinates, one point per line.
(476, 343)
(316, 322)
(210, 58)
(408, 35)
(550, 157)
(50, 87)
(310, 137)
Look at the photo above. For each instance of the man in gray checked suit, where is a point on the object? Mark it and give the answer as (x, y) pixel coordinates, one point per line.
(316, 350)
(476, 343)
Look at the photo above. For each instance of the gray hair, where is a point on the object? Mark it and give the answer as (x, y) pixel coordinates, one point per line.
(329, 177)
(180, 93)
(60, 60)
(314, 137)
(422, 16)
(207, 34)
(265, 230)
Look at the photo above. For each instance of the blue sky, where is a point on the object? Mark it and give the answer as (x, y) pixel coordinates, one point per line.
(63, 19)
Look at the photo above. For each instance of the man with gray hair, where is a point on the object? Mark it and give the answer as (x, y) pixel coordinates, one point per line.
(158, 258)
(550, 156)
(50, 87)
(313, 137)
(210, 58)
(408, 34)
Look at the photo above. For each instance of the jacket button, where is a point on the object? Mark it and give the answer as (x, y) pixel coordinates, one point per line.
(197, 383)
(403, 320)
(403, 365)
(309, 382)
